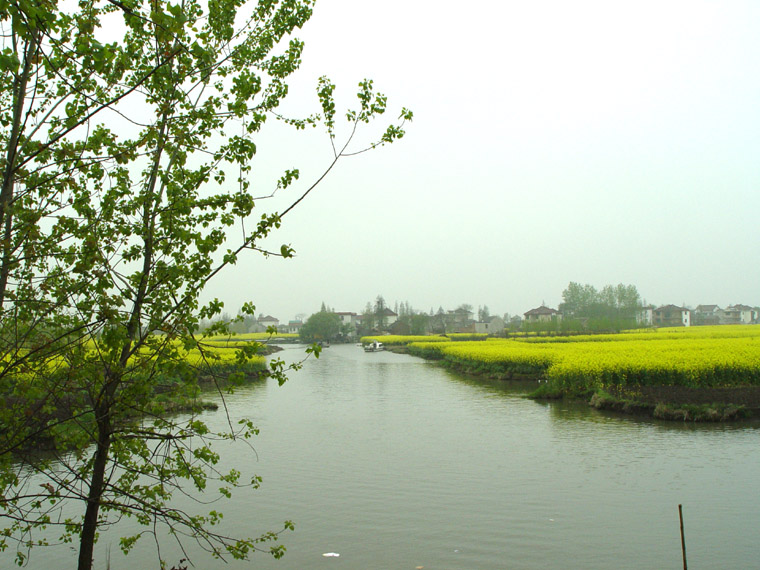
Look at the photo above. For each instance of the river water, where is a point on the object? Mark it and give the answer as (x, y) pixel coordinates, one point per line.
(392, 462)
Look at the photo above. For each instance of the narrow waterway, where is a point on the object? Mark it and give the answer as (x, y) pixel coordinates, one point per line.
(392, 462)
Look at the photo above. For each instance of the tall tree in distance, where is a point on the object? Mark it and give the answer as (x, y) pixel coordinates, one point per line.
(612, 308)
(381, 318)
(368, 318)
(577, 299)
(321, 326)
(121, 185)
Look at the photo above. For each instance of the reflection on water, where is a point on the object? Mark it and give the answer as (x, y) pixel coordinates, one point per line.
(394, 462)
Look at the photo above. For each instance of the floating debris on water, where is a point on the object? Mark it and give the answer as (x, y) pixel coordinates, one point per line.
(331, 554)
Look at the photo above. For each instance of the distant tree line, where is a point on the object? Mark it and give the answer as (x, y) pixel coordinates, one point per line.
(326, 325)
(583, 309)
(408, 320)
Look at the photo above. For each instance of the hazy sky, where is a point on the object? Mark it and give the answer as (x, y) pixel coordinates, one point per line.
(591, 141)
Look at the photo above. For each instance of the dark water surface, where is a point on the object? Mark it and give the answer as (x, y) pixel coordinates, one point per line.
(393, 462)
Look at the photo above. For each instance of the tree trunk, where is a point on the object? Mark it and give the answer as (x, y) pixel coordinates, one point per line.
(20, 82)
(97, 484)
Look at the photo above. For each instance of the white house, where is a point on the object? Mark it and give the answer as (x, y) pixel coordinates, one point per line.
(347, 318)
(739, 315)
(645, 316)
(353, 320)
(494, 326)
(388, 317)
(268, 321)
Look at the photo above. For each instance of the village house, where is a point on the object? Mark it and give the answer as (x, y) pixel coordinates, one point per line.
(645, 316)
(267, 321)
(351, 320)
(541, 314)
(348, 318)
(387, 317)
(672, 316)
(494, 326)
(708, 315)
(460, 316)
(293, 327)
(731, 315)
(459, 321)
(739, 315)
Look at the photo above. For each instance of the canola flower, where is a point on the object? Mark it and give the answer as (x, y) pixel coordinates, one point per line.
(226, 356)
(467, 336)
(696, 357)
(400, 340)
(205, 356)
(247, 337)
(671, 333)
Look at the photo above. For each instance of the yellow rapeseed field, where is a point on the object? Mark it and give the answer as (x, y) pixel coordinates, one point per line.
(399, 340)
(214, 353)
(246, 337)
(695, 356)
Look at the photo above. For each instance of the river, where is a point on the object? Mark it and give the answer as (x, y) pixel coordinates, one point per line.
(392, 462)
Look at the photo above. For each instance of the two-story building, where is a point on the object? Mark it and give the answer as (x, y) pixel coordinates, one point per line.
(350, 320)
(739, 315)
(645, 316)
(708, 315)
(386, 318)
(671, 316)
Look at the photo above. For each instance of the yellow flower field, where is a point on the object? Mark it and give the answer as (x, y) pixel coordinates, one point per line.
(247, 337)
(672, 333)
(400, 340)
(695, 357)
(467, 336)
(214, 353)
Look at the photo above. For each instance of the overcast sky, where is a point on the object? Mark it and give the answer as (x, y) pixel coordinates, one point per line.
(591, 141)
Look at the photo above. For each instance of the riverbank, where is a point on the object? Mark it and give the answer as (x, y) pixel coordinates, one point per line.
(704, 374)
(66, 409)
(675, 403)
(684, 404)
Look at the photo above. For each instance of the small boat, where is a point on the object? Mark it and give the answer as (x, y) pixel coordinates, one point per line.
(374, 346)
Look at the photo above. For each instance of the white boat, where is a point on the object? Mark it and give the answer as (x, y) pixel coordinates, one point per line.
(374, 346)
